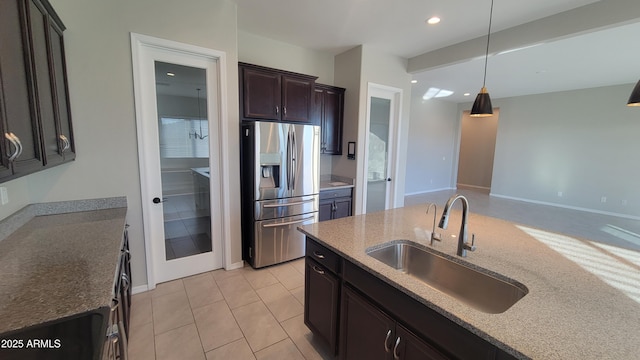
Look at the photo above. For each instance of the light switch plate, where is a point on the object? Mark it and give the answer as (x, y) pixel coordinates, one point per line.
(4, 195)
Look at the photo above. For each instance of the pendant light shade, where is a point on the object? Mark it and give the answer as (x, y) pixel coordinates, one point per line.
(634, 99)
(482, 106)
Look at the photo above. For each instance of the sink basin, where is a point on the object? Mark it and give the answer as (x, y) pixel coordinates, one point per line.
(482, 291)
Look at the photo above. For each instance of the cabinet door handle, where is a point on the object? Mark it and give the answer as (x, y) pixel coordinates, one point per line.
(395, 349)
(17, 139)
(65, 143)
(277, 110)
(125, 280)
(284, 109)
(12, 140)
(318, 255)
(316, 269)
(386, 341)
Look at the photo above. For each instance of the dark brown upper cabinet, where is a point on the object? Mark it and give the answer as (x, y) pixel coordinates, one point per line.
(328, 112)
(35, 117)
(276, 95)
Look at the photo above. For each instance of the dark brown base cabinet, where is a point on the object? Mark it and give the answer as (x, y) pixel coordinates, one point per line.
(335, 204)
(35, 116)
(377, 321)
(369, 333)
(322, 296)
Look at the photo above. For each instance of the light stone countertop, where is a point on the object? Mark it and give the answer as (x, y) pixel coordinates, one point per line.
(569, 313)
(334, 182)
(203, 171)
(59, 265)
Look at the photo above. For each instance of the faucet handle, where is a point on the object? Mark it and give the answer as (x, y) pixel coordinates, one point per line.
(435, 237)
(472, 246)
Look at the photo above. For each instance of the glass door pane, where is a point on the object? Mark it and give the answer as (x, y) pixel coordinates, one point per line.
(378, 150)
(183, 129)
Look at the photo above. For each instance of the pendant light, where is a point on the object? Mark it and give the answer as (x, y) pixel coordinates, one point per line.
(482, 106)
(634, 99)
(195, 134)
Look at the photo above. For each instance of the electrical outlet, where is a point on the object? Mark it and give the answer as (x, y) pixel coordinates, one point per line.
(4, 195)
(603, 199)
(624, 202)
(559, 193)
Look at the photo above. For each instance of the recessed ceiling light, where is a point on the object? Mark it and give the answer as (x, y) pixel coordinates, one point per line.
(171, 74)
(414, 81)
(466, 94)
(433, 20)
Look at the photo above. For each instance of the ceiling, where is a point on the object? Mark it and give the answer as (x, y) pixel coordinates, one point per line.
(591, 59)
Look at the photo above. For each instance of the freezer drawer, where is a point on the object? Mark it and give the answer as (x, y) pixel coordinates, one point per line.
(278, 240)
(279, 208)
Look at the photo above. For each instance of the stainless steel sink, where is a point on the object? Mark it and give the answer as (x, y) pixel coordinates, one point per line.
(482, 291)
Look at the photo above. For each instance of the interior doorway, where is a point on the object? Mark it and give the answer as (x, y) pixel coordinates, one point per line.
(477, 150)
(383, 114)
(178, 90)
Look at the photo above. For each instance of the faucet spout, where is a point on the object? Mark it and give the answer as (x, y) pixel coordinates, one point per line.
(434, 236)
(463, 245)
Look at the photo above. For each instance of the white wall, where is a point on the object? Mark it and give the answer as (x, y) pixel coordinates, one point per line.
(347, 75)
(583, 143)
(431, 145)
(98, 53)
(258, 50)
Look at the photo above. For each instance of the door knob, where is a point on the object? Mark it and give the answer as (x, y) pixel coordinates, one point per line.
(157, 200)
(388, 179)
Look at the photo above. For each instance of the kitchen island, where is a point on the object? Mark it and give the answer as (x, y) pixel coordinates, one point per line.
(568, 313)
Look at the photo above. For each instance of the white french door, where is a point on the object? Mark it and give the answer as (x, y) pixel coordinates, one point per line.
(379, 181)
(179, 121)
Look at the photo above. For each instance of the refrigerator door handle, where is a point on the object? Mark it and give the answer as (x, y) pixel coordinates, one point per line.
(294, 154)
(288, 161)
(288, 204)
(287, 223)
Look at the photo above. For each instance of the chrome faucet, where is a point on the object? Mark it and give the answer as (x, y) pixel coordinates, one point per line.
(463, 245)
(434, 236)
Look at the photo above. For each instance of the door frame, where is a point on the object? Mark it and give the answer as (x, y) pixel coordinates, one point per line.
(139, 44)
(395, 96)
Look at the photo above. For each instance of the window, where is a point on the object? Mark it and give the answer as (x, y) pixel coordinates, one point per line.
(184, 138)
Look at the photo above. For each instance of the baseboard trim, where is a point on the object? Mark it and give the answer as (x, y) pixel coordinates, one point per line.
(139, 289)
(236, 265)
(428, 191)
(484, 189)
(609, 213)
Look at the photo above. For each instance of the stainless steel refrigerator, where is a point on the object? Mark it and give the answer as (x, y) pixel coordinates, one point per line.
(280, 174)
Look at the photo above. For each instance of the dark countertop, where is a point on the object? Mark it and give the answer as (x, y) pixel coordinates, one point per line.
(583, 300)
(59, 265)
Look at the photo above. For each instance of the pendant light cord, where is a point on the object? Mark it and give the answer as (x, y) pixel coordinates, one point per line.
(486, 56)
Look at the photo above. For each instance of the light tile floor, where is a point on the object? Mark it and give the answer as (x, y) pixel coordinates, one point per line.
(238, 314)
